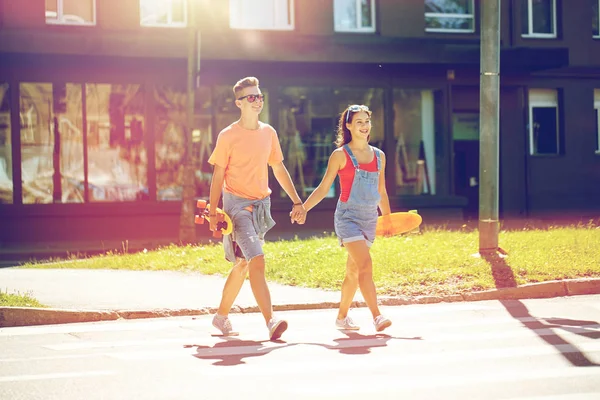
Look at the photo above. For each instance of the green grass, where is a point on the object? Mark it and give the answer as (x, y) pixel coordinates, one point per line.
(435, 262)
(18, 300)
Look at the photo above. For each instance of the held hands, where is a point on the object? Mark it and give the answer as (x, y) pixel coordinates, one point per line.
(298, 214)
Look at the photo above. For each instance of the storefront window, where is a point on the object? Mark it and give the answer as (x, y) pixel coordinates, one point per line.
(117, 159)
(51, 143)
(6, 176)
(308, 119)
(170, 129)
(414, 141)
(203, 139)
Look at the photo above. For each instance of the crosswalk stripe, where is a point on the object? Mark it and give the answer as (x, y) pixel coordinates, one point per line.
(413, 358)
(304, 336)
(63, 375)
(205, 321)
(382, 383)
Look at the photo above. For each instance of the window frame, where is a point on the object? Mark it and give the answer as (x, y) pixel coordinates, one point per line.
(597, 36)
(60, 15)
(169, 23)
(290, 27)
(449, 15)
(543, 98)
(371, 29)
(597, 110)
(533, 35)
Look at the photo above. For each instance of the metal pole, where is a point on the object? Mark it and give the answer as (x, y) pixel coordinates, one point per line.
(187, 228)
(489, 121)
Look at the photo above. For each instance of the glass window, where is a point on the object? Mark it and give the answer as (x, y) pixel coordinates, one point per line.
(354, 15)
(538, 18)
(76, 12)
(51, 143)
(167, 13)
(449, 16)
(595, 18)
(543, 122)
(414, 137)
(170, 128)
(6, 176)
(597, 110)
(261, 14)
(308, 119)
(117, 159)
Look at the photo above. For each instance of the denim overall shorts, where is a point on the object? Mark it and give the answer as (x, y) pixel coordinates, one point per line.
(356, 218)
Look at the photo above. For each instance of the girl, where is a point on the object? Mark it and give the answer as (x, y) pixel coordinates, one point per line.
(362, 189)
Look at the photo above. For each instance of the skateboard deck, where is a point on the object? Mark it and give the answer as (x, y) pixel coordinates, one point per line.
(398, 223)
(224, 225)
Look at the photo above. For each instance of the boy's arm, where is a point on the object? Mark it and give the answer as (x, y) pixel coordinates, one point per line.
(283, 177)
(333, 166)
(216, 188)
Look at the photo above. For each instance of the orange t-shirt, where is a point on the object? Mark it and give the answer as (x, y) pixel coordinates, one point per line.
(246, 154)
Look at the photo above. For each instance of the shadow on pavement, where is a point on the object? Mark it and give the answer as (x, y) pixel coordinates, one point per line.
(357, 344)
(232, 350)
(501, 271)
(575, 356)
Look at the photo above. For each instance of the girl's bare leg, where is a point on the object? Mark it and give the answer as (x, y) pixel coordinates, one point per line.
(361, 256)
(349, 287)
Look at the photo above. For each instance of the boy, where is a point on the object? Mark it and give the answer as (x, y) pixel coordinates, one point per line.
(241, 157)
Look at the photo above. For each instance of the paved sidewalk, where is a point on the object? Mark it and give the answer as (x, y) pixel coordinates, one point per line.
(140, 290)
(80, 295)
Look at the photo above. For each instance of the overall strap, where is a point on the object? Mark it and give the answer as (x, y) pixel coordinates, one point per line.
(378, 155)
(354, 162)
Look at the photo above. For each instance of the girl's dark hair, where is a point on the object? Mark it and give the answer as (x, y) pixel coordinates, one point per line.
(343, 133)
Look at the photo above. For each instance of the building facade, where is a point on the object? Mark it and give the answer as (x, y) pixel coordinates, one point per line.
(93, 106)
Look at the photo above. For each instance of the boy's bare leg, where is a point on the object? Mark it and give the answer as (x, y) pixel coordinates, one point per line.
(258, 283)
(349, 287)
(232, 287)
(360, 254)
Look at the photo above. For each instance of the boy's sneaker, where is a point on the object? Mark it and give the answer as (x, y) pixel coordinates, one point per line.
(276, 328)
(346, 324)
(223, 324)
(381, 323)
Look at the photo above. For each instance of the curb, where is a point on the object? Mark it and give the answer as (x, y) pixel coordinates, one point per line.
(29, 316)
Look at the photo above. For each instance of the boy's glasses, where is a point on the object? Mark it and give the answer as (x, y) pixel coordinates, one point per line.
(252, 97)
(355, 108)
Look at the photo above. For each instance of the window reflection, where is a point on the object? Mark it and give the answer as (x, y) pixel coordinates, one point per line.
(6, 177)
(308, 120)
(170, 128)
(51, 143)
(414, 141)
(117, 159)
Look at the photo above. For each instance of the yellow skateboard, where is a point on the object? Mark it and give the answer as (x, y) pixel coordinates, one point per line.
(224, 225)
(398, 223)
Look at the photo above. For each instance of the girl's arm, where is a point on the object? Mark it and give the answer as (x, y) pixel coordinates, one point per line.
(384, 203)
(336, 161)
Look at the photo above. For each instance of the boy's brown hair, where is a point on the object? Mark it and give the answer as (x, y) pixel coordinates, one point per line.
(243, 84)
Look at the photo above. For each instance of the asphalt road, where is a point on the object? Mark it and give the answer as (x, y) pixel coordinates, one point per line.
(528, 349)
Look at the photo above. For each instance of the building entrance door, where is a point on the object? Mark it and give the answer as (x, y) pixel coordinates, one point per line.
(465, 133)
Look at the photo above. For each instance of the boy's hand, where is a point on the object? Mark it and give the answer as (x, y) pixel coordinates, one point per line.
(212, 225)
(298, 214)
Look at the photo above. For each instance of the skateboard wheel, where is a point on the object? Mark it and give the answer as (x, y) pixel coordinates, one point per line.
(201, 204)
(198, 219)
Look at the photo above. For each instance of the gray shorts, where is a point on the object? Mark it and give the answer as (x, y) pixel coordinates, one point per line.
(353, 224)
(245, 236)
